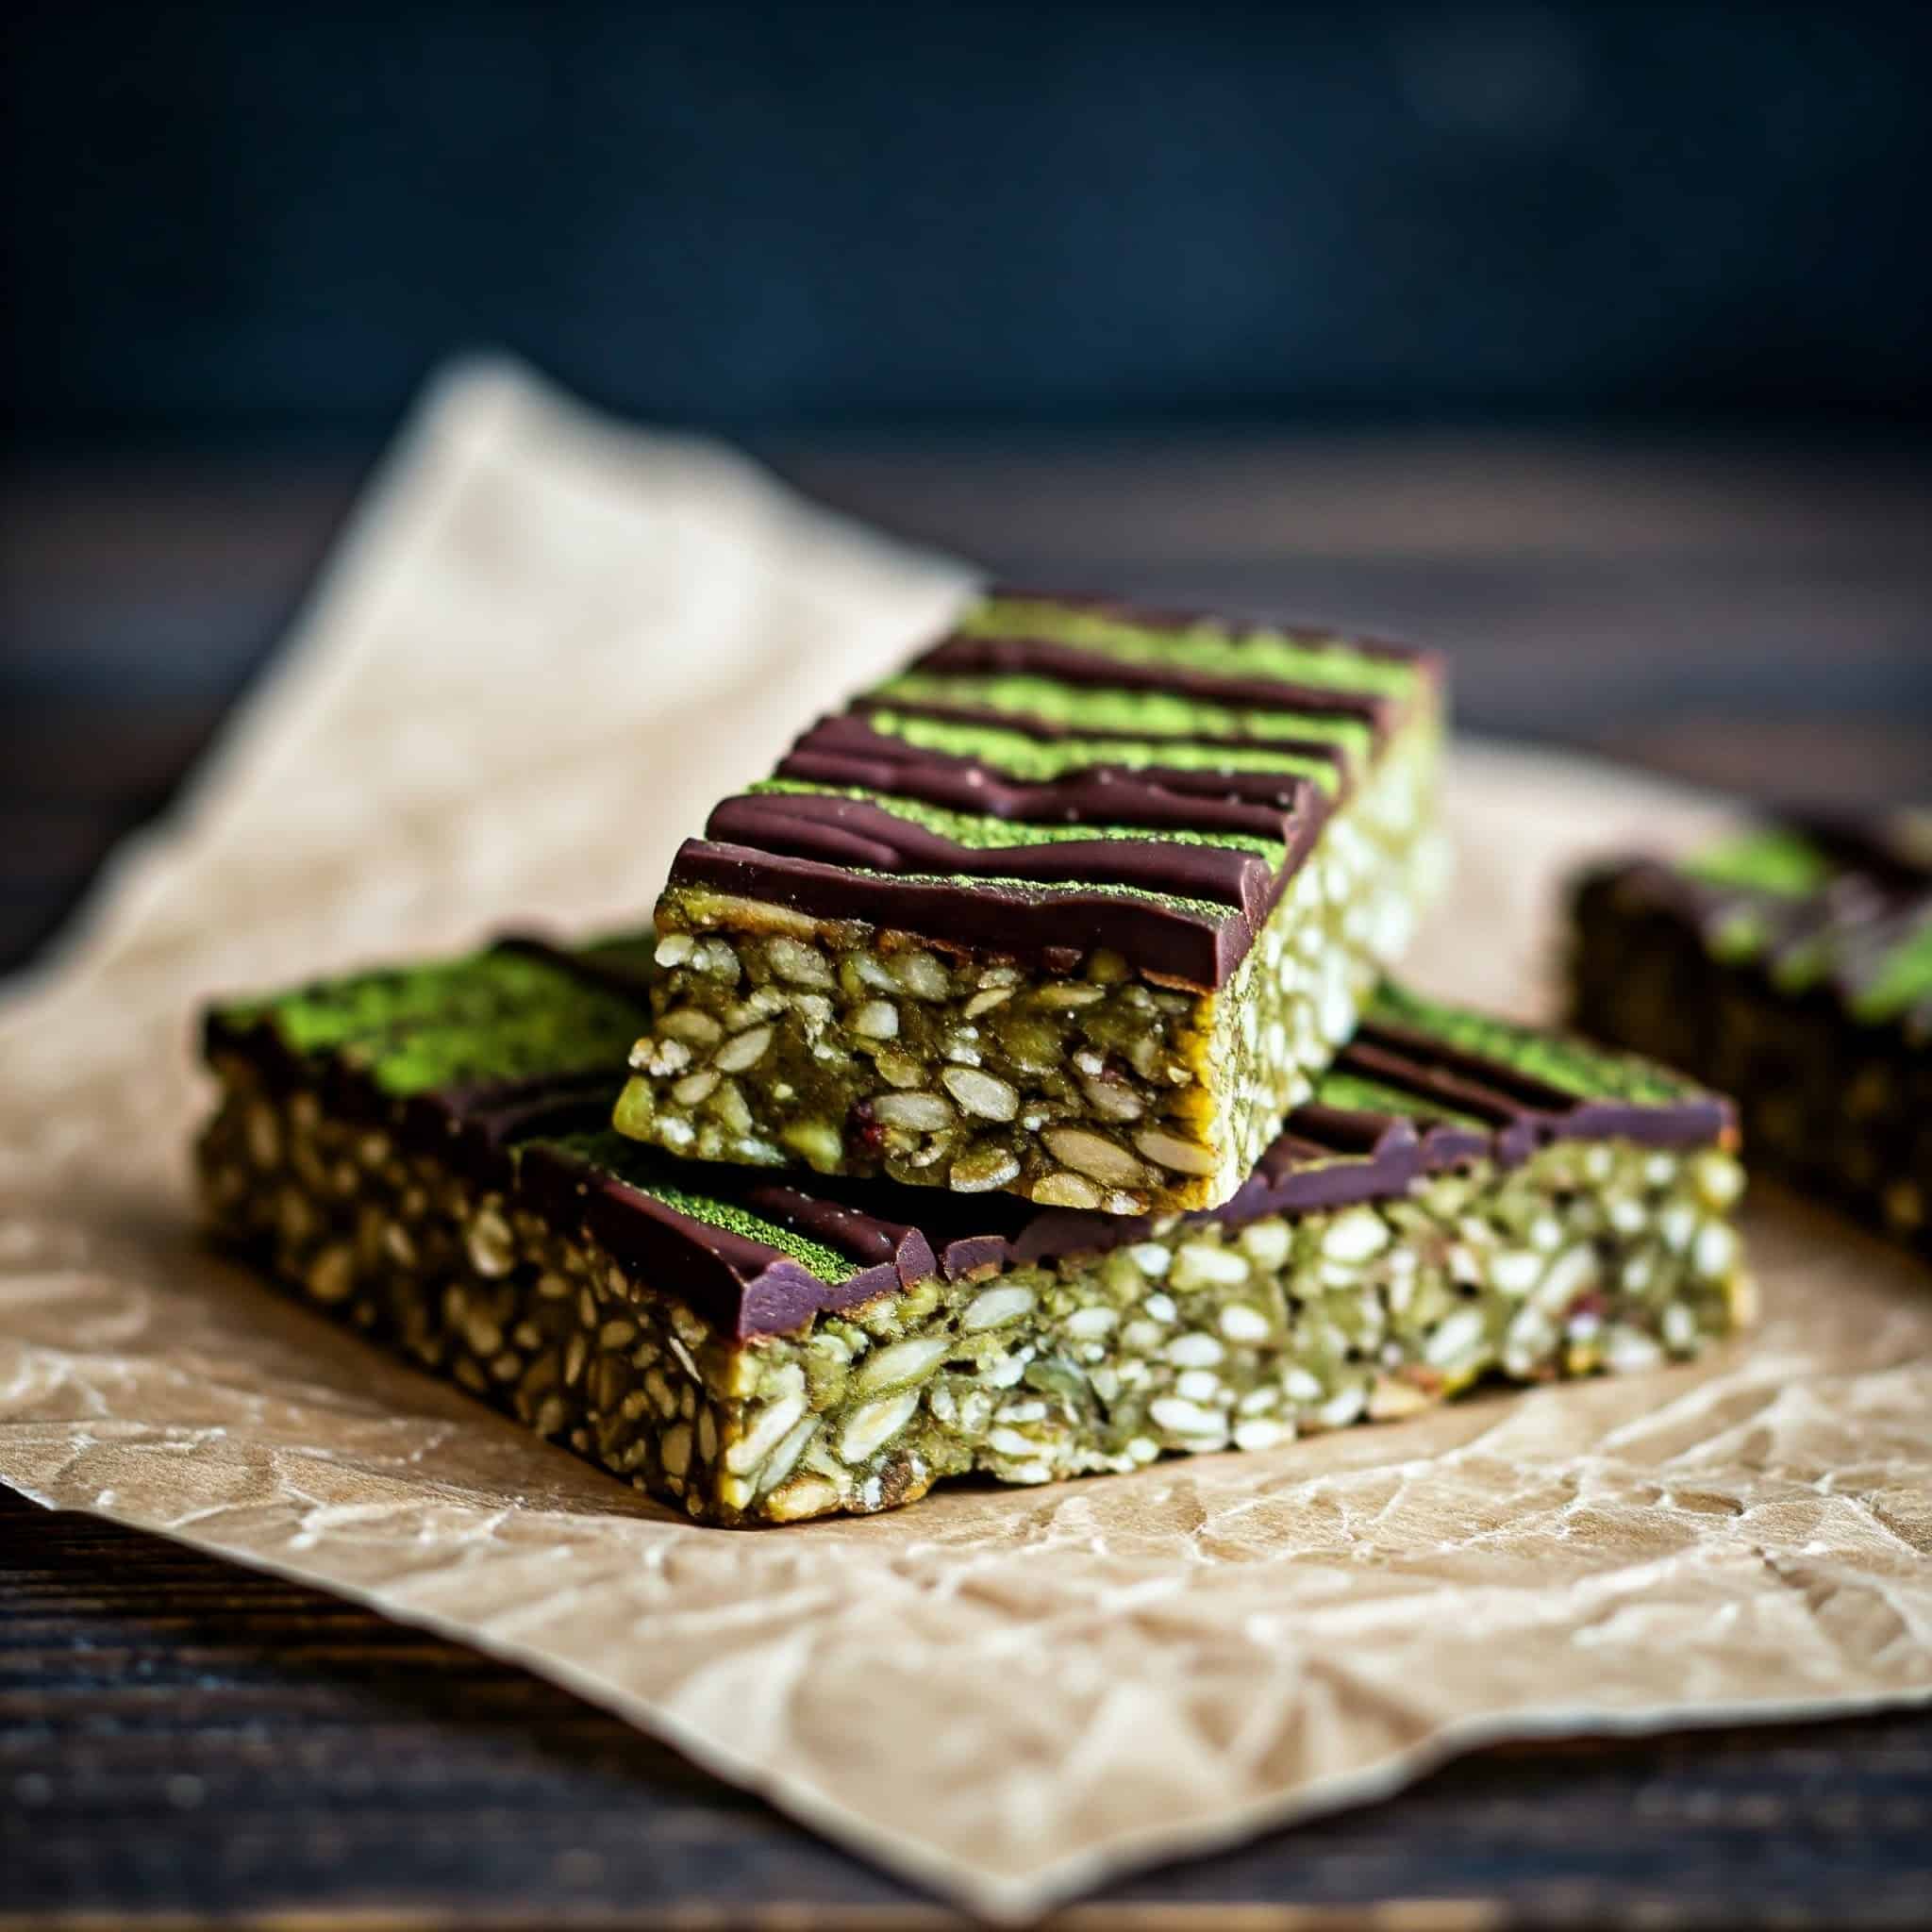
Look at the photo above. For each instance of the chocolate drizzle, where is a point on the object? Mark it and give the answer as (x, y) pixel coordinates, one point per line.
(844, 858)
(847, 751)
(974, 657)
(1180, 943)
(1051, 731)
(851, 832)
(540, 1140)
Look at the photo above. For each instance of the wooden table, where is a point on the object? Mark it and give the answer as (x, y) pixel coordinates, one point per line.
(181, 1742)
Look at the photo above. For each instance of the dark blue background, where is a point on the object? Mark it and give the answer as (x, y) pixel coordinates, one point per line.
(237, 222)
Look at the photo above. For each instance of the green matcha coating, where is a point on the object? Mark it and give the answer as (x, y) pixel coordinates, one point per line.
(1126, 713)
(1772, 870)
(501, 1016)
(980, 833)
(1039, 762)
(1356, 1093)
(1588, 1073)
(1739, 933)
(1327, 663)
(1772, 860)
(633, 1165)
(492, 1016)
(1900, 979)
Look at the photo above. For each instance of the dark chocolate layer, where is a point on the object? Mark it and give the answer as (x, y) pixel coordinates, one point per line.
(1205, 757)
(1424, 1088)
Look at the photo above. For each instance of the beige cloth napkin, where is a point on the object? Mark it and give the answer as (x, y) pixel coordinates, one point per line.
(547, 643)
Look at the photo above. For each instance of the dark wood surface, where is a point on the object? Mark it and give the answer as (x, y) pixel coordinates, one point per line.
(182, 1742)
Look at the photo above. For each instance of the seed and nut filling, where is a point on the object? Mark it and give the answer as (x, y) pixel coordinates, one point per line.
(1200, 1336)
(783, 1040)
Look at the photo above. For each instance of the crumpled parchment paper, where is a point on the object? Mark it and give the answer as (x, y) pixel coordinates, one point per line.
(547, 645)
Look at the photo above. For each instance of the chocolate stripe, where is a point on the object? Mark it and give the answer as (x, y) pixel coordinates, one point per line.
(850, 831)
(1175, 797)
(1167, 941)
(1073, 664)
(738, 1284)
(1524, 1110)
(1101, 795)
(1517, 1126)
(1023, 724)
(866, 1237)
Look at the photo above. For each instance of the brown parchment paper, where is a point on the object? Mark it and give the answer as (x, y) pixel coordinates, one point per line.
(545, 646)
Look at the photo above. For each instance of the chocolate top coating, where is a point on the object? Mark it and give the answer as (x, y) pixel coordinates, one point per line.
(1825, 909)
(1423, 1088)
(1204, 756)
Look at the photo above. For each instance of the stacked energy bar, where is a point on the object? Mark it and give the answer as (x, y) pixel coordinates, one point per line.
(426, 1154)
(1791, 965)
(1076, 907)
(1009, 1084)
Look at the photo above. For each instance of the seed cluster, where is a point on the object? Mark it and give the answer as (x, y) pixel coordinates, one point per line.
(1200, 1337)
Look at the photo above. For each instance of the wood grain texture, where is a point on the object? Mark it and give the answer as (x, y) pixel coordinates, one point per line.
(181, 1742)
(179, 1738)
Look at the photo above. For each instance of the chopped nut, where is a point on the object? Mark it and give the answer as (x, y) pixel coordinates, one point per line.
(982, 1168)
(696, 1086)
(743, 1052)
(876, 1020)
(872, 1424)
(1089, 1154)
(1165, 1151)
(1062, 1190)
(902, 1362)
(922, 976)
(692, 1024)
(1354, 1235)
(981, 1094)
(919, 1113)
(802, 965)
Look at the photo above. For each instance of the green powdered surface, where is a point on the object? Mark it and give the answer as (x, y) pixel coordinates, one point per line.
(497, 1017)
(635, 1165)
(981, 833)
(1330, 663)
(1772, 860)
(1039, 761)
(1900, 978)
(1739, 933)
(1120, 712)
(1556, 1059)
(491, 1016)
(1356, 1093)
(1773, 870)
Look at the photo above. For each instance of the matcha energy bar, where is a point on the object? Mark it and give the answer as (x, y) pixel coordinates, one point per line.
(423, 1153)
(1075, 908)
(1792, 966)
